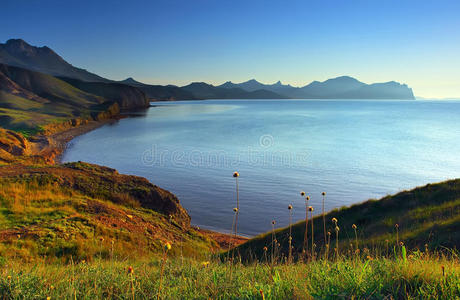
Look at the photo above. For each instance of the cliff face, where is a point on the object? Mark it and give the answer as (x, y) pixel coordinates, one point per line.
(12, 144)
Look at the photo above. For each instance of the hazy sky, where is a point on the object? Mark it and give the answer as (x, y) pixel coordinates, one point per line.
(413, 42)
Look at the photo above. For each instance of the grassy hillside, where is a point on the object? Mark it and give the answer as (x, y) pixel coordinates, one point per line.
(86, 211)
(30, 100)
(425, 215)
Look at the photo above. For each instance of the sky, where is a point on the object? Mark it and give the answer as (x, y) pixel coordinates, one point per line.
(178, 42)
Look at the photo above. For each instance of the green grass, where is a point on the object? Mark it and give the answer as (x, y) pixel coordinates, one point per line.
(420, 277)
(425, 215)
(85, 211)
(49, 101)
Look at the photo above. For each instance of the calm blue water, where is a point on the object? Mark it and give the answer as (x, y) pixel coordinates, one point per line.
(353, 150)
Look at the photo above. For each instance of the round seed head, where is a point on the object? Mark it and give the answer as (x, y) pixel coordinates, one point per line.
(130, 270)
(328, 233)
(290, 207)
(302, 193)
(310, 208)
(167, 246)
(396, 225)
(265, 249)
(273, 222)
(235, 209)
(334, 220)
(354, 226)
(308, 198)
(337, 228)
(236, 174)
(323, 193)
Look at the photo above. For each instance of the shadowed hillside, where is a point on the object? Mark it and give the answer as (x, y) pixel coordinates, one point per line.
(16, 52)
(126, 96)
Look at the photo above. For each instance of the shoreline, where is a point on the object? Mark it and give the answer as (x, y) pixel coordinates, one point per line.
(53, 146)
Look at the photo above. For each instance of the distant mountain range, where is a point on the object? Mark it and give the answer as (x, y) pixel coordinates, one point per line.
(343, 87)
(18, 53)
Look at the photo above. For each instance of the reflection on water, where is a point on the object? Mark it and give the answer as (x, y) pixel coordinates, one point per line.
(353, 150)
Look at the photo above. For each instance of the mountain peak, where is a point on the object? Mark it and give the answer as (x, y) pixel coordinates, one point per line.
(130, 80)
(343, 79)
(17, 42)
(18, 53)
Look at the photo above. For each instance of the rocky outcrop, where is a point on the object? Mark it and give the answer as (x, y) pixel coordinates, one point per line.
(12, 144)
(104, 183)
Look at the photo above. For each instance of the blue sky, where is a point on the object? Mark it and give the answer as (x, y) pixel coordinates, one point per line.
(177, 42)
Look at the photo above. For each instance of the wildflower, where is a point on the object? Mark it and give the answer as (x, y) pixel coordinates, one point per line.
(167, 246)
(401, 244)
(290, 207)
(354, 226)
(308, 198)
(236, 174)
(265, 249)
(334, 220)
(302, 193)
(369, 257)
(328, 233)
(323, 193)
(205, 264)
(396, 225)
(19, 236)
(310, 208)
(101, 239)
(9, 277)
(130, 270)
(235, 209)
(48, 298)
(273, 222)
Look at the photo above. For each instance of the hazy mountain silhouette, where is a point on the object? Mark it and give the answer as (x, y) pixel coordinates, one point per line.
(16, 52)
(203, 90)
(161, 92)
(344, 87)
